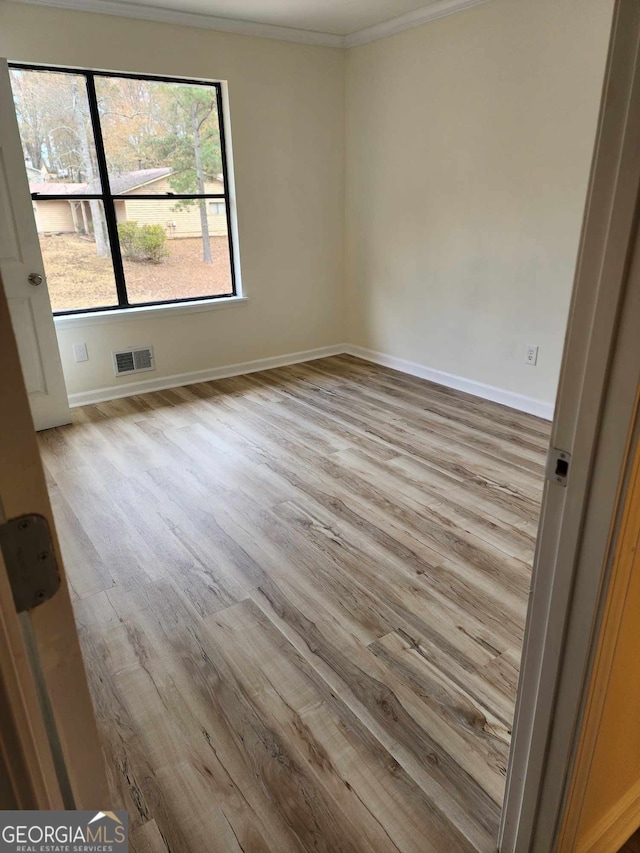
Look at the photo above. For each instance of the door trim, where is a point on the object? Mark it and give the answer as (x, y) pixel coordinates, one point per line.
(594, 415)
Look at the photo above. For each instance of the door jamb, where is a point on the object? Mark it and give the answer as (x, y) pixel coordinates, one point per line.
(594, 415)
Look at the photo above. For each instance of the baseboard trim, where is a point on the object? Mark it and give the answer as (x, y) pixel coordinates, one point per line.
(449, 380)
(162, 383)
(615, 828)
(478, 389)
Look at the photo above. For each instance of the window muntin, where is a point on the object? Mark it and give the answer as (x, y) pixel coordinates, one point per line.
(144, 161)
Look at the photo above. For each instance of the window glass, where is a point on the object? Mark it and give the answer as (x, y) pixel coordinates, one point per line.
(160, 137)
(150, 152)
(173, 250)
(56, 132)
(76, 255)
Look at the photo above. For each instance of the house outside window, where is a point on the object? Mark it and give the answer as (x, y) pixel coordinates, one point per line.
(128, 177)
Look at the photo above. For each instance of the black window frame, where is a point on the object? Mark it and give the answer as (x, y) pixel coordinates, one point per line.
(108, 198)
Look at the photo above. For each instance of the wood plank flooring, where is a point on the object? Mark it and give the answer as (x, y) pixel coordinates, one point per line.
(301, 597)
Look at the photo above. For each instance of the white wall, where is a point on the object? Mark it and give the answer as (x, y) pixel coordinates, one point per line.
(469, 142)
(287, 115)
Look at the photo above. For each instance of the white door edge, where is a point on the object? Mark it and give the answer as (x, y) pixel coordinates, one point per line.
(20, 258)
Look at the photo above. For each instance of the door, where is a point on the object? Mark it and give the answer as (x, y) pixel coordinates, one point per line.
(22, 271)
(603, 807)
(50, 756)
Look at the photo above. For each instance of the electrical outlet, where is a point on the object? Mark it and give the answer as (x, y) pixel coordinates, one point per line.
(531, 355)
(80, 352)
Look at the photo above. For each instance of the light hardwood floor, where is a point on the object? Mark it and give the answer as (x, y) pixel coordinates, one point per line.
(301, 597)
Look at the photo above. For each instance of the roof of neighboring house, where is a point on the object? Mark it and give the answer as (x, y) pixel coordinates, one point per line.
(123, 183)
(132, 180)
(51, 188)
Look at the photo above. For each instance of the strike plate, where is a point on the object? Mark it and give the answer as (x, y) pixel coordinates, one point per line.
(30, 560)
(558, 466)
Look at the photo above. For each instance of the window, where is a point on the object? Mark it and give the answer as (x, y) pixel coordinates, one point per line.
(129, 183)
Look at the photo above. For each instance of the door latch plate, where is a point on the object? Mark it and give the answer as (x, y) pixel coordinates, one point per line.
(30, 560)
(558, 466)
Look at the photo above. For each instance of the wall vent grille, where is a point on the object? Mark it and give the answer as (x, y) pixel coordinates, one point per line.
(134, 360)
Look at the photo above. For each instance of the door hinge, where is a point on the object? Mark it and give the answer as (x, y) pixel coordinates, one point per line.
(30, 560)
(558, 466)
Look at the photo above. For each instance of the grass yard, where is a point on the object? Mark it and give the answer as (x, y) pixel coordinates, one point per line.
(78, 278)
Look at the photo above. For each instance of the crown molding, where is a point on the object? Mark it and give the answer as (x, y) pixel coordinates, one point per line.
(438, 9)
(142, 12)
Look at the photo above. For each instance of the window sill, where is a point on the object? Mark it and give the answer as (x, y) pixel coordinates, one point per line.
(148, 312)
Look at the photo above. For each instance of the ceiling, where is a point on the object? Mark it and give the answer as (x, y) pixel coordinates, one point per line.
(337, 23)
(337, 17)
